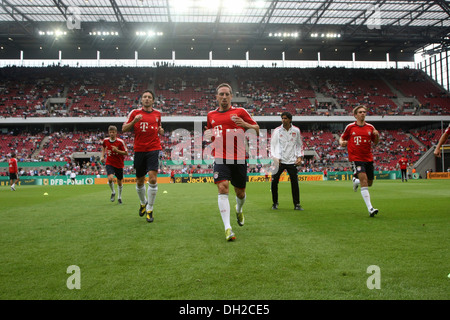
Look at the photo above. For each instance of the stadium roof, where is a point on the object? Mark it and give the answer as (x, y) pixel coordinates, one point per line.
(192, 28)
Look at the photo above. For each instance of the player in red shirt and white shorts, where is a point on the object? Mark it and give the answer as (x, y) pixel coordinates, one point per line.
(115, 151)
(358, 137)
(13, 172)
(146, 123)
(225, 125)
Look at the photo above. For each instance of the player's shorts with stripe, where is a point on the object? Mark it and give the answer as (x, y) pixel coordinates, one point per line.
(145, 162)
(366, 167)
(118, 172)
(235, 173)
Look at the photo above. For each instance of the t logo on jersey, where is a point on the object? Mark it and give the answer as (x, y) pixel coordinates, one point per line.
(144, 126)
(218, 131)
(357, 140)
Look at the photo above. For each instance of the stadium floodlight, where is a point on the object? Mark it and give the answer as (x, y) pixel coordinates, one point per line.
(325, 35)
(104, 33)
(149, 33)
(284, 34)
(56, 33)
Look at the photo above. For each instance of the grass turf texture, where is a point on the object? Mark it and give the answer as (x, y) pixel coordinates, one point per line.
(320, 253)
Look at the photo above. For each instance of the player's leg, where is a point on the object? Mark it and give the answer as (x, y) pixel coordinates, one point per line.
(119, 176)
(355, 180)
(111, 186)
(152, 168)
(140, 167)
(274, 186)
(222, 175)
(295, 190)
(365, 175)
(239, 182)
(151, 193)
(13, 180)
(110, 172)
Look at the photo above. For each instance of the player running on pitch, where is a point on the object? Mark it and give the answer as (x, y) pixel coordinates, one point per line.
(358, 138)
(225, 125)
(115, 151)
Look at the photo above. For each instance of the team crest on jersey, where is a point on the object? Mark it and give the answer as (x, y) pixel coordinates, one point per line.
(216, 175)
(294, 134)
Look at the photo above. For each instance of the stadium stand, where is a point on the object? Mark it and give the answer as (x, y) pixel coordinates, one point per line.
(187, 91)
(183, 91)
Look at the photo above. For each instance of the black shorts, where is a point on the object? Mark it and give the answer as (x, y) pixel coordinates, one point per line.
(13, 176)
(235, 173)
(145, 162)
(118, 172)
(360, 166)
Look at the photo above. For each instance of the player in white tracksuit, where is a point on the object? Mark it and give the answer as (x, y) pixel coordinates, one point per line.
(286, 147)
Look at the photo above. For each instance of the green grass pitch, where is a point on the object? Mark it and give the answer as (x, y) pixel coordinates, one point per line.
(322, 253)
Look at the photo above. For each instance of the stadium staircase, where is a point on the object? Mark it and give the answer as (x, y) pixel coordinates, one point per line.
(43, 143)
(401, 99)
(425, 162)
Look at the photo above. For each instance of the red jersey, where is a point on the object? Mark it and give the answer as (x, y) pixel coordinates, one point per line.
(146, 130)
(113, 158)
(403, 163)
(13, 166)
(225, 129)
(359, 139)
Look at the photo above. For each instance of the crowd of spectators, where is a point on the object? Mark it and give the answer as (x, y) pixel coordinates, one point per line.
(322, 149)
(189, 91)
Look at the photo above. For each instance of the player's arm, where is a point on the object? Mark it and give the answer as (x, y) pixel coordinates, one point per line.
(376, 137)
(208, 134)
(246, 125)
(444, 137)
(299, 149)
(102, 158)
(122, 151)
(274, 141)
(128, 126)
(342, 141)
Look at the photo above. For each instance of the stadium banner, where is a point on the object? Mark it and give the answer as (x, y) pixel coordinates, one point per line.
(438, 175)
(129, 179)
(348, 175)
(200, 178)
(23, 181)
(50, 180)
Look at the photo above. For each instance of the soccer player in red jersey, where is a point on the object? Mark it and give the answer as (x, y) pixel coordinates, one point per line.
(442, 140)
(115, 151)
(146, 123)
(226, 127)
(13, 172)
(358, 137)
(403, 164)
